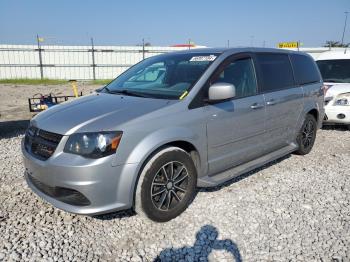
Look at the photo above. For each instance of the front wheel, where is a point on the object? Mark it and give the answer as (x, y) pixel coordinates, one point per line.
(307, 135)
(166, 185)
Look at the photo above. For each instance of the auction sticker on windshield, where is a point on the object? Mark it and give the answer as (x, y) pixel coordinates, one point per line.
(203, 58)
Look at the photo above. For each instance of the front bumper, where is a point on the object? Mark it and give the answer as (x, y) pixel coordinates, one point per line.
(95, 186)
(337, 115)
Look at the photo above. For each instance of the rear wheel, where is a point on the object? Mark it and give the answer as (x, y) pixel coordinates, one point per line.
(166, 185)
(307, 135)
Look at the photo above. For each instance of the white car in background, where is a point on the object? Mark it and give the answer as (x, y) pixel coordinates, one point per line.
(335, 69)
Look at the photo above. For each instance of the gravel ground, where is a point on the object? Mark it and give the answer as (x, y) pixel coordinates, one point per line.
(295, 209)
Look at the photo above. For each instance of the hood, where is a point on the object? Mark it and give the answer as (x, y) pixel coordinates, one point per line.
(336, 89)
(96, 112)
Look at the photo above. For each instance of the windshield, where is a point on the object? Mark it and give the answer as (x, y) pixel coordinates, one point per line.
(337, 71)
(167, 76)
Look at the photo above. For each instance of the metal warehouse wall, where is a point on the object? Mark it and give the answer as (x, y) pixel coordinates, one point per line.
(72, 62)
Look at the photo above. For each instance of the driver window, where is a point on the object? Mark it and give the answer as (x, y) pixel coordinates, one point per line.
(241, 74)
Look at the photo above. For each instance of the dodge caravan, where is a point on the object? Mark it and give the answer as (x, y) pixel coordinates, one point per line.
(172, 123)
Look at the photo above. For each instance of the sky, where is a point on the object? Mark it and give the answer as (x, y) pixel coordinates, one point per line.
(163, 23)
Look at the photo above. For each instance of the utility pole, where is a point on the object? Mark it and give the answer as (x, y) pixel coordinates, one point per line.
(346, 18)
(40, 57)
(189, 44)
(228, 43)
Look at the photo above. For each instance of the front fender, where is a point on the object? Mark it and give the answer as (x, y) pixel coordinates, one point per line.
(155, 140)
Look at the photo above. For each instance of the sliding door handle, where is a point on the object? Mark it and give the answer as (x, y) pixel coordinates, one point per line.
(271, 102)
(256, 106)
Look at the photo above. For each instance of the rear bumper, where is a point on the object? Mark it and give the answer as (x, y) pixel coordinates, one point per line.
(337, 115)
(82, 186)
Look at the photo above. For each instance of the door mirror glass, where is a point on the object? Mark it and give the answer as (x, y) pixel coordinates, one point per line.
(221, 91)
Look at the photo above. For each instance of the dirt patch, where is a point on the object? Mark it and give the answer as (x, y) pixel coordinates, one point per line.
(14, 98)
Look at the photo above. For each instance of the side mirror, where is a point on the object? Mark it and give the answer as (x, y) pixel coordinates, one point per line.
(221, 91)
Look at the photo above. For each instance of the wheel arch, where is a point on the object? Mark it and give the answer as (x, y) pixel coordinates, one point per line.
(314, 112)
(183, 144)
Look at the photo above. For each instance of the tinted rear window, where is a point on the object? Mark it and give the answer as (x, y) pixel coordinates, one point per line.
(305, 70)
(276, 71)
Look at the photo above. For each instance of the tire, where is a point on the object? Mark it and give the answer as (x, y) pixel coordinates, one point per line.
(166, 185)
(307, 135)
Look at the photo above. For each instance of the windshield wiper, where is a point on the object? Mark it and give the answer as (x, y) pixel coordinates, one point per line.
(99, 90)
(128, 93)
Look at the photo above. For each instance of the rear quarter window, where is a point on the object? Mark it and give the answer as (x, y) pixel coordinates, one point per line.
(276, 71)
(305, 70)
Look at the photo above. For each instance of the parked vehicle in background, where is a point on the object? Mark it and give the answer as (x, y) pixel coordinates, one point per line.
(335, 70)
(171, 123)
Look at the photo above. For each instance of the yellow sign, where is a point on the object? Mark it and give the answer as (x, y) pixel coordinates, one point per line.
(40, 39)
(288, 45)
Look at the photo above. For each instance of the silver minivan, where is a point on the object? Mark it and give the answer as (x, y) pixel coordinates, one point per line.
(172, 123)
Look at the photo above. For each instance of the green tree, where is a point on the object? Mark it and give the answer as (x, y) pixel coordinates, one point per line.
(335, 44)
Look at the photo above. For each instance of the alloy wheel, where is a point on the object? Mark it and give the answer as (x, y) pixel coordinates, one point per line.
(308, 134)
(169, 186)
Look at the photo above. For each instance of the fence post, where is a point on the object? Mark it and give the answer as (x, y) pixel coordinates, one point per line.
(93, 59)
(143, 48)
(40, 58)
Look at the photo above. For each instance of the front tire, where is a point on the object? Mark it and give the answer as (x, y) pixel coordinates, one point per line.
(166, 185)
(307, 135)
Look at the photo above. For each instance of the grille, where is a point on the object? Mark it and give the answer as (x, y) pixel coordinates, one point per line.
(66, 195)
(40, 143)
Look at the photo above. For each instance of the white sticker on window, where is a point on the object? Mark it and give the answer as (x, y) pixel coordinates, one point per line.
(203, 58)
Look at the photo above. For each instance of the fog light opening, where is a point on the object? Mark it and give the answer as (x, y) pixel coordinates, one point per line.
(340, 116)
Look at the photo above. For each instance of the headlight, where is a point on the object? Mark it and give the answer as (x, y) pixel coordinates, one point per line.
(93, 145)
(342, 100)
(325, 89)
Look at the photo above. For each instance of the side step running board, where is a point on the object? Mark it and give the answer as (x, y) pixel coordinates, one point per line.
(214, 180)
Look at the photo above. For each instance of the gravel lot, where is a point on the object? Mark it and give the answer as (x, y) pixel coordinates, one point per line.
(294, 209)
